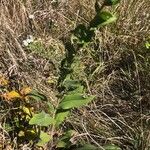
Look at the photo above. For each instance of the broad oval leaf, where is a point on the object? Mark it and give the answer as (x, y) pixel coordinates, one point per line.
(102, 18)
(111, 2)
(60, 116)
(41, 119)
(75, 101)
(44, 138)
(61, 144)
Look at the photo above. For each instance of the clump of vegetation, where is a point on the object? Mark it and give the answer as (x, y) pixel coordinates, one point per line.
(101, 91)
(25, 123)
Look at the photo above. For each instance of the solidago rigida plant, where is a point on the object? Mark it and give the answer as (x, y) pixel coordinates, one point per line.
(72, 92)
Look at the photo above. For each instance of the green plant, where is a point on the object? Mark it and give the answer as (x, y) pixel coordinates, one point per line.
(72, 99)
(83, 35)
(72, 91)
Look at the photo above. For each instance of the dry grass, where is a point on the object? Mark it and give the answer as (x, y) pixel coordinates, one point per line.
(116, 68)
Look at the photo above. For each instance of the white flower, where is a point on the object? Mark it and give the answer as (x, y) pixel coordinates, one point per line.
(29, 40)
(31, 16)
(25, 43)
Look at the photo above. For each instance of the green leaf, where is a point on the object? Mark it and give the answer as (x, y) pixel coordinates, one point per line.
(61, 144)
(60, 116)
(102, 18)
(79, 90)
(37, 96)
(147, 45)
(111, 2)
(112, 147)
(44, 138)
(71, 84)
(41, 119)
(88, 147)
(68, 134)
(64, 141)
(74, 101)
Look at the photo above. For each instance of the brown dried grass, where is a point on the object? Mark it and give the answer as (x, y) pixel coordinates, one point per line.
(110, 119)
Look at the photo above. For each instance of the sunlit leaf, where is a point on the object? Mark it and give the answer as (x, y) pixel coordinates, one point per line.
(102, 18)
(41, 119)
(75, 101)
(44, 138)
(147, 45)
(60, 116)
(61, 144)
